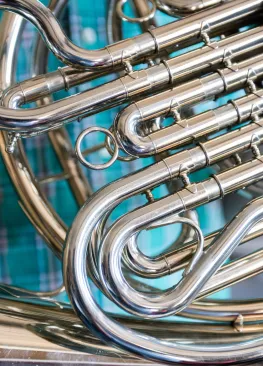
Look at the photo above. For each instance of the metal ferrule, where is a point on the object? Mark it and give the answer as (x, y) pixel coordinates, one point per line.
(233, 142)
(246, 174)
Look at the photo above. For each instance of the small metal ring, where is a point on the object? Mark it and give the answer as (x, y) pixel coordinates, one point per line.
(81, 157)
(127, 158)
(119, 10)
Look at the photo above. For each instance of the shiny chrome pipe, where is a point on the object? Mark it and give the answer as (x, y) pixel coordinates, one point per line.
(133, 49)
(75, 271)
(114, 93)
(185, 162)
(41, 331)
(110, 196)
(153, 80)
(187, 130)
(177, 298)
(129, 123)
(185, 7)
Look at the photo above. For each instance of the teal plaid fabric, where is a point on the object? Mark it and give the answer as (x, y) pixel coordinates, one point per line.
(25, 259)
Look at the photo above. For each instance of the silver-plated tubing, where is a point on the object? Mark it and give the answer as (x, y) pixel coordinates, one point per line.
(75, 275)
(185, 131)
(129, 122)
(119, 190)
(31, 198)
(131, 49)
(13, 24)
(148, 16)
(229, 311)
(16, 164)
(59, 325)
(59, 139)
(114, 23)
(188, 161)
(185, 7)
(177, 259)
(41, 52)
(178, 297)
(115, 92)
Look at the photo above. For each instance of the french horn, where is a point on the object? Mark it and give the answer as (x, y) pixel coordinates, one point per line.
(150, 83)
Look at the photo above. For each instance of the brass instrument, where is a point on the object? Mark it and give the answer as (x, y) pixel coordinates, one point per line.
(154, 84)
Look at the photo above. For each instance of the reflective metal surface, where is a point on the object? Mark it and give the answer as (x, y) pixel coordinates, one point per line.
(43, 329)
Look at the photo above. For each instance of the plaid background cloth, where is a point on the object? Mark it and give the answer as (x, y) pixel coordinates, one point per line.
(25, 259)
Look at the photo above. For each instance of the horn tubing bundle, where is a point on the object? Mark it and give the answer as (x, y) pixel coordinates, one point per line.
(110, 256)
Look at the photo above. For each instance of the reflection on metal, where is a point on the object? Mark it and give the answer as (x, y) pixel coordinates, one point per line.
(43, 329)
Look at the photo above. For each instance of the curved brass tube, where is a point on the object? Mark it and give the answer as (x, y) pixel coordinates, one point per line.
(59, 139)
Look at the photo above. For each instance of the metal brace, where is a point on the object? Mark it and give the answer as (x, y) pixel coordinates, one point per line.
(255, 141)
(252, 86)
(149, 196)
(237, 159)
(12, 142)
(185, 179)
(239, 323)
(176, 115)
(205, 28)
(255, 110)
(228, 62)
(150, 62)
(127, 67)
